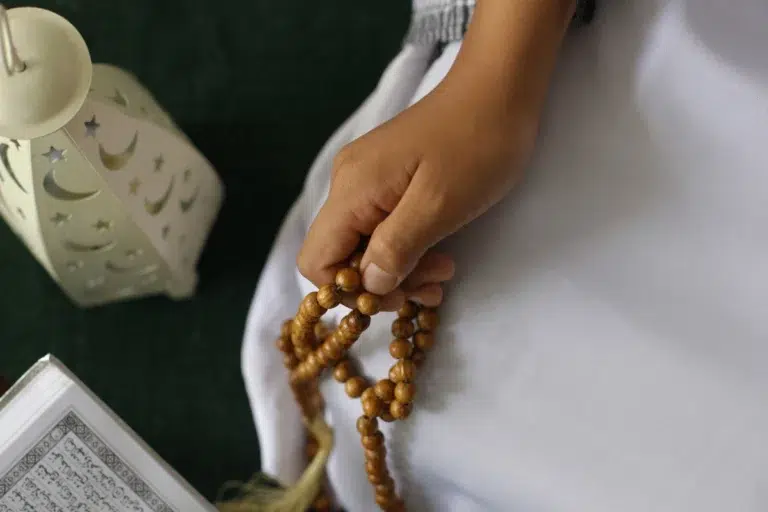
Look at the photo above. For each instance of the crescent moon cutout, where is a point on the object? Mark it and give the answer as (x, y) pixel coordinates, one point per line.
(129, 270)
(7, 164)
(116, 161)
(57, 192)
(78, 247)
(189, 203)
(118, 269)
(153, 208)
(149, 269)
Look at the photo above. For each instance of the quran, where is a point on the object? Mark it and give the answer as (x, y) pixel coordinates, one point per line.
(63, 450)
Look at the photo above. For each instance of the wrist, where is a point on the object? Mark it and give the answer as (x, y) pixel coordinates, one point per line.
(510, 51)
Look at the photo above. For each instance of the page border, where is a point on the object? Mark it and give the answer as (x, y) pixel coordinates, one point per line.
(71, 422)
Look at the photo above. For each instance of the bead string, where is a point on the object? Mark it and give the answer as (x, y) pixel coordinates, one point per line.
(311, 347)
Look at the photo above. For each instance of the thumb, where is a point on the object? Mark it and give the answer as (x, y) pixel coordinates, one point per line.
(404, 236)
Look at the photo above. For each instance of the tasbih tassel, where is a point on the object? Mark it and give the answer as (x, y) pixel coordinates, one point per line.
(259, 496)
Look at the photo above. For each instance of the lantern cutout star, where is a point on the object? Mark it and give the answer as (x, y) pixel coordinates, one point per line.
(81, 150)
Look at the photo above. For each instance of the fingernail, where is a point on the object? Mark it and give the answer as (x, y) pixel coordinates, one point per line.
(377, 281)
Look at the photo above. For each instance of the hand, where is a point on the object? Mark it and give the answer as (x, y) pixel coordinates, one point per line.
(407, 185)
(432, 169)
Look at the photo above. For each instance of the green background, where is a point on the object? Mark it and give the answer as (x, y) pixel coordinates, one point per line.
(258, 85)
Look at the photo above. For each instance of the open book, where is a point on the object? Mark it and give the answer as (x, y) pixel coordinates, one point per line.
(63, 450)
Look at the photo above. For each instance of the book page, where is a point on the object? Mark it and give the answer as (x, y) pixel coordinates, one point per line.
(72, 469)
(74, 455)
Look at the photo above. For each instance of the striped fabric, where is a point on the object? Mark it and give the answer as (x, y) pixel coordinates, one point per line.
(443, 21)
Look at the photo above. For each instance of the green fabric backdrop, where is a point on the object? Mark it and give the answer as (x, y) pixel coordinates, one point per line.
(258, 85)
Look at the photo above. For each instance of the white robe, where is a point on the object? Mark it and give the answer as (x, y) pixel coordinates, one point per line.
(604, 346)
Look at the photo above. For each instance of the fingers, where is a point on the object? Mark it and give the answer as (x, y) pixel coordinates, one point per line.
(428, 295)
(361, 189)
(434, 267)
(404, 212)
(399, 242)
(423, 285)
(333, 237)
(322, 250)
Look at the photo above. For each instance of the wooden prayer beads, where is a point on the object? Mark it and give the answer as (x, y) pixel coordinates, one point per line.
(310, 348)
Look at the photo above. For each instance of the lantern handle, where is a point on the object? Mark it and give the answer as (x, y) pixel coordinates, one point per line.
(13, 64)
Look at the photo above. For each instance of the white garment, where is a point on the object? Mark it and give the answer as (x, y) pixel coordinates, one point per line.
(604, 346)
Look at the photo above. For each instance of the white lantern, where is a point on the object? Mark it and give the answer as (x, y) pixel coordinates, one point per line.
(105, 190)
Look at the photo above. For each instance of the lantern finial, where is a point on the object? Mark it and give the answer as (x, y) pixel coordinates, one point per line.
(48, 72)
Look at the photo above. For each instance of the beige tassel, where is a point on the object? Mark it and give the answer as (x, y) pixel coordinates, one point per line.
(258, 496)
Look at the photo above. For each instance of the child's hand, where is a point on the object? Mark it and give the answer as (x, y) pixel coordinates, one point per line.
(412, 182)
(437, 166)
